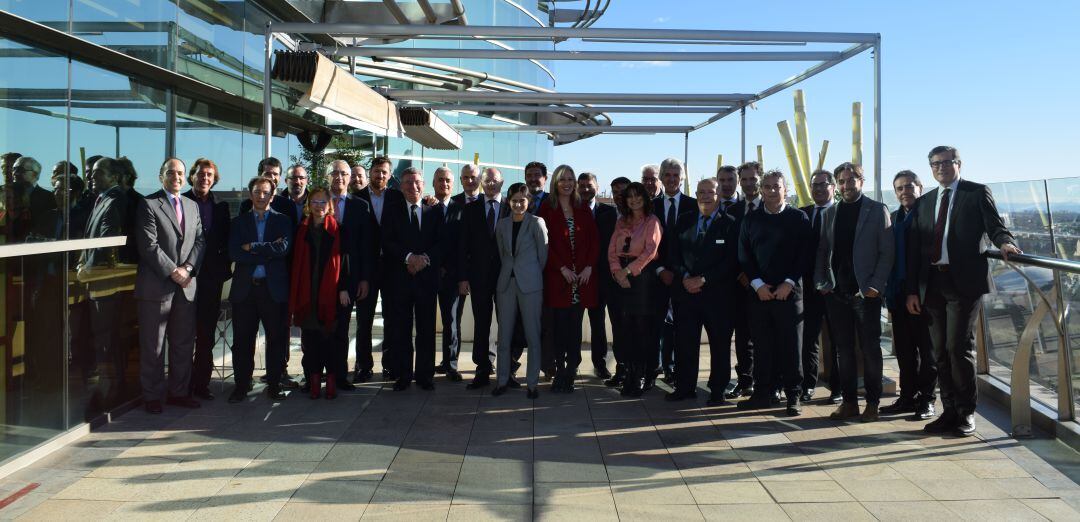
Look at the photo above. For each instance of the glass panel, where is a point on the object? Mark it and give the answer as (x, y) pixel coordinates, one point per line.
(1064, 195)
(144, 29)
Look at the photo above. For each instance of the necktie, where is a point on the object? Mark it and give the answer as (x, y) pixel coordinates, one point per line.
(491, 216)
(939, 226)
(750, 207)
(414, 219)
(670, 221)
(179, 213)
(725, 205)
(704, 228)
(817, 220)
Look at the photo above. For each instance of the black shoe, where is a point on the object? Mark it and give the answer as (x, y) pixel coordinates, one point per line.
(361, 376)
(274, 393)
(806, 396)
(571, 378)
(512, 383)
(775, 399)
(387, 375)
(753, 403)
(533, 393)
(616, 380)
(793, 408)
(401, 385)
(669, 377)
(452, 375)
(601, 373)
(943, 424)
(480, 381)
(427, 386)
(836, 397)
(740, 391)
(239, 393)
(498, 390)
(441, 369)
(650, 381)
(558, 383)
(344, 384)
(204, 394)
(679, 395)
(924, 411)
(287, 382)
(631, 385)
(900, 405)
(965, 425)
(716, 399)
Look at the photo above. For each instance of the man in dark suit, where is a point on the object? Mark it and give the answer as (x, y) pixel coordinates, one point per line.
(668, 207)
(413, 248)
(451, 303)
(478, 268)
(169, 235)
(854, 257)
(911, 333)
(353, 215)
(216, 269)
(705, 259)
(259, 243)
(822, 190)
(28, 206)
(947, 277)
(270, 167)
(749, 178)
(379, 197)
(604, 215)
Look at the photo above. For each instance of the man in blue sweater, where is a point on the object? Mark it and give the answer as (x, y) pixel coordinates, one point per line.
(774, 252)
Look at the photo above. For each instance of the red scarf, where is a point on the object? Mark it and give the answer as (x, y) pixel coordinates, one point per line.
(300, 285)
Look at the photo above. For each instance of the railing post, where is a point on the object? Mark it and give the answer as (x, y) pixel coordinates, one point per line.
(982, 355)
(1066, 393)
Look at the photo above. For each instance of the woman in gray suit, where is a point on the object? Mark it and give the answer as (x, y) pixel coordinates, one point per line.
(522, 243)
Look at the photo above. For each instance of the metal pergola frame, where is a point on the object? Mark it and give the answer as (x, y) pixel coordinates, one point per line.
(720, 105)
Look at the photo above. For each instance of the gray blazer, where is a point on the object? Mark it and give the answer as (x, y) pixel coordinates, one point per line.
(162, 248)
(528, 260)
(872, 252)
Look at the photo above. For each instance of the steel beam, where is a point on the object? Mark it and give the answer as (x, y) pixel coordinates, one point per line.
(590, 110)
(579, 129)
(611, 56)
(877, 118)
(566, 97)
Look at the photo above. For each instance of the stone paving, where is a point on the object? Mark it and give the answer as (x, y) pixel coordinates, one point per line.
(454, 454)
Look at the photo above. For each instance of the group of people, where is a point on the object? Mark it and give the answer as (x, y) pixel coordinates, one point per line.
(662, 264)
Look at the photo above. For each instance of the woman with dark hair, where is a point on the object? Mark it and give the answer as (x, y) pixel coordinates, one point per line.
(318, 286)
(569, 287)
(523, 249)
(635, 244)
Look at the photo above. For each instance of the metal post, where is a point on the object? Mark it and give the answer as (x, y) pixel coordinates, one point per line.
(1066, 393)
(877, 116)
(686, 158)
(170, 123)
(268, 110)
(118, 141)
(742, 135)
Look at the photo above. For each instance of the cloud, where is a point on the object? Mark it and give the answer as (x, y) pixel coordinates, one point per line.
(645, 65)
(661, 19)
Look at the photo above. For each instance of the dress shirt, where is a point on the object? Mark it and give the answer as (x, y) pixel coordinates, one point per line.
(377, 205)
(260, 230)
(498, 207)
(948, 217)
(701, 221)
(339, 206)
(758, 283)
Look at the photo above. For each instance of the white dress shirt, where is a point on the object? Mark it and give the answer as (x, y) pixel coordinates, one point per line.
(948, 217)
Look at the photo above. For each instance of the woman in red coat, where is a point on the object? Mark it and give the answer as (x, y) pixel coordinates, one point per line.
(569, 285)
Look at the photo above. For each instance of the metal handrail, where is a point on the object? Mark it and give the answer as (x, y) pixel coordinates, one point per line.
(1052, 263)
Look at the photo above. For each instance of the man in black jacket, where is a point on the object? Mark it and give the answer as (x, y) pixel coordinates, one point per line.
(604, 215)
(668, 206)
(451, 303)
(822, 190)
(947, 275)
(749, 179)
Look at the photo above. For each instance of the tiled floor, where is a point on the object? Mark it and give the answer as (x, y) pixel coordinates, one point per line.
(455, 454)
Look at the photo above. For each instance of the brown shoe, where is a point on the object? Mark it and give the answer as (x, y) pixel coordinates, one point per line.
(870, 414)
(846, 410)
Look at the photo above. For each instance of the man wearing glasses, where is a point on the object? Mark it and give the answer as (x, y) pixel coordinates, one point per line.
(292, 205)
(822, 190)
(947, 277)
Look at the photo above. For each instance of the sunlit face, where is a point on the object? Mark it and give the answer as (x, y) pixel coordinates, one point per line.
(443, 184)
(203, 180)
(535, 179)
(586, 188)
(412, 185)
(635, 202)
(850, 185)
(297, 181)
(319, 205)
(821, 189)
(470, 182)
(172, 180)
(519, 203)
(339, 177)
(261, 194)
(60, 192)
(103, 178)
(946, 167)
(617, 192)
(651, 181)
(21, 174)
(672, 179)
(773, 190)
(707, 196)
(567, 183)
(907, 192)
(749, 181)
(727, 184)
(273, 173)
(492, 183)
(359, 178)
(379, 177)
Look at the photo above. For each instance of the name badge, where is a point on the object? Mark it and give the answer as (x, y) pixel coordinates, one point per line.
(719, 241)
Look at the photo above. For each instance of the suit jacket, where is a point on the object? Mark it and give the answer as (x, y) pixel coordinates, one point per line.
(687, 205)
(106, 220)
(478, 256)
(162, 247)
(453, 213)
(393, 198)
(272, 252)
(872, 251)
(585, 252)
(535, 201)
(605, 216)
(216, 263)
(356, 236)
(400, 239)
(974, 215)
(527, 259)
(715, 256)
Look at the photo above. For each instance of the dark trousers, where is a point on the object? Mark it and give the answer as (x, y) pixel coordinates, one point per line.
(598, 334)
(814, 318)
(365, 320)
(408, 306)
(952, 332)
(568, 337)
(618, 335)
(691, 315)
(640, 347)
(451, 305)
(852, 320)
(915, 355)
(258, 306)
(744, 345)
(668, 343)
(483, 307)
(321, 350)
(777, 330)
(207, 310)
(663, 350)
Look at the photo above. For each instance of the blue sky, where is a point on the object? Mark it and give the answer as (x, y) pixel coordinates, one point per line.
(998, 80)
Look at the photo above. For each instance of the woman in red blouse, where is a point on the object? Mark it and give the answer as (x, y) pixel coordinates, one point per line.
(569, 287)
(633, 246)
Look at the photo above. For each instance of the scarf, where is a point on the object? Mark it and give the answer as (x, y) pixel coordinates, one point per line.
(300, 284)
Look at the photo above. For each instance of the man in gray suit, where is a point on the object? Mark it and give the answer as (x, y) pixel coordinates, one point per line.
(169, 235)
(854, 257)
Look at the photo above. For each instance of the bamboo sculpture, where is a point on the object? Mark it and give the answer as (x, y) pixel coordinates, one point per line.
(802, 136)
(797, 178)
(760, 157)
(856, 133)
(821, 155)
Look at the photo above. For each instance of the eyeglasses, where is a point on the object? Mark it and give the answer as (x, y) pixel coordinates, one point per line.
(943, 163)
(298, 178)
(339, 173)
(820, 184)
